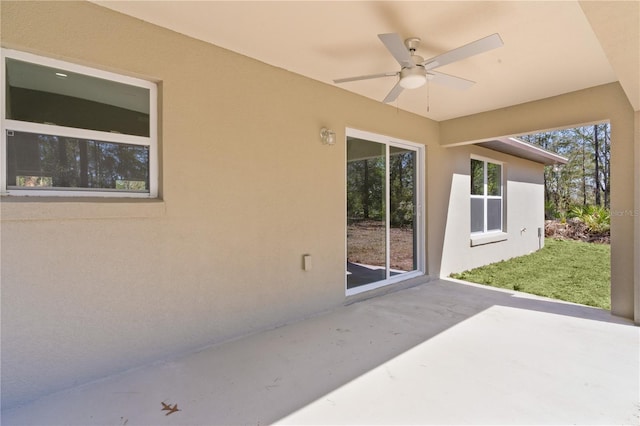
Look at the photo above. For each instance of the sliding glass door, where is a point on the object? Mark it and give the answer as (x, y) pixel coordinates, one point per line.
(383, 211)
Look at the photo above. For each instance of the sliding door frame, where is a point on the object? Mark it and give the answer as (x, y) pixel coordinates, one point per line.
(419, 226)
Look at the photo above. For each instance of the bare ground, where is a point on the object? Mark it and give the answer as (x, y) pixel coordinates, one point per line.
(366, 244)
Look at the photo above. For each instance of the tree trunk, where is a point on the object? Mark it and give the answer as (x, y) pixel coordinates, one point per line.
(64, 177)
(607, 168)
(584, 174)
(84, 164)
(597, 164)
(365, 191)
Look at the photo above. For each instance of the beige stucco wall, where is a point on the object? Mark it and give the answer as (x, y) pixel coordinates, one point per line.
(636, 211)
(523, 215)
(94, 287)
(607, 102)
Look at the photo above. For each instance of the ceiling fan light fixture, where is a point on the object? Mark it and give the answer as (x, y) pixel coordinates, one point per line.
(412, 78)
(413, 81)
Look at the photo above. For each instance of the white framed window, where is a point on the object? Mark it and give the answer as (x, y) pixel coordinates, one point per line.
(71, 130)
(487, 207)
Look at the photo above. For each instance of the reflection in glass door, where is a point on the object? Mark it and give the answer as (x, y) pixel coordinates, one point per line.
(402, 208)
(366, 212)
(382, 208)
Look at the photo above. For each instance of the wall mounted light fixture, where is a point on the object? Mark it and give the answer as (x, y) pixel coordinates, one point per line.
(328, 137)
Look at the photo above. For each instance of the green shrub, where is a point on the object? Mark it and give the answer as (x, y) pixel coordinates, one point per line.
(597, 219)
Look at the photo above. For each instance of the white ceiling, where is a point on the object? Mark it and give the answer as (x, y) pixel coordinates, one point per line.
(549, 47)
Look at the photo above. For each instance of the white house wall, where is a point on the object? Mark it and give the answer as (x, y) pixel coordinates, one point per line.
(524, 211)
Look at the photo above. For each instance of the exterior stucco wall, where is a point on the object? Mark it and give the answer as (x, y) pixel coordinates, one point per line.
(636, 211)
(607, 102)
(523, 211)
(92, 287)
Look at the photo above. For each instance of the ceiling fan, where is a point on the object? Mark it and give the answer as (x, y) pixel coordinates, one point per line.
(415, 70)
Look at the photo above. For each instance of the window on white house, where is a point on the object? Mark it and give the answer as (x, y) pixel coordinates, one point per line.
(74, 130)
(486, 196)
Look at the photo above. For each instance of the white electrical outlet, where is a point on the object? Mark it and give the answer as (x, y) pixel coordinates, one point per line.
(306, 262)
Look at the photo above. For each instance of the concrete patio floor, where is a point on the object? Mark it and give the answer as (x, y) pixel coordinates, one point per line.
(444, 352)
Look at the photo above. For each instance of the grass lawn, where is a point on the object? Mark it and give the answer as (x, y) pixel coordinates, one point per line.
(568, 270)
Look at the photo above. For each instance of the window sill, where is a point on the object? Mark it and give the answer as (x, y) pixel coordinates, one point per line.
(478, 240)
(57, 208)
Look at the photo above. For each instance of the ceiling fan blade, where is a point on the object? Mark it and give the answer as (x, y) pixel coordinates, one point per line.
(393, 94)
(479, 46)
(365, 77)
(396, 47)
(450, 80)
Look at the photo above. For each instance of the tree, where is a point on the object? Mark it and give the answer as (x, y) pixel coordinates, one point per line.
(584, 180)
(402, 187)
(365, 188)
(604, 161)
(596, 149)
